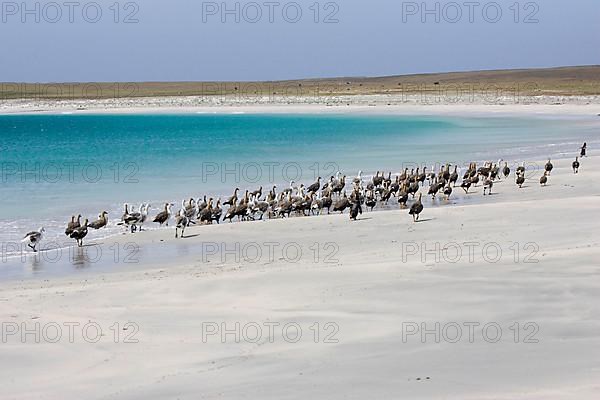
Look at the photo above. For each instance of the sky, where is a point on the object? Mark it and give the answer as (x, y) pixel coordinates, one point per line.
(193, 40)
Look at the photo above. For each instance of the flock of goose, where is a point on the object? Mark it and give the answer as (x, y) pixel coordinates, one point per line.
(311, 200)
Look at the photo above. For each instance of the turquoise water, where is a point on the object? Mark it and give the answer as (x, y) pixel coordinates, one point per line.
(57, 165)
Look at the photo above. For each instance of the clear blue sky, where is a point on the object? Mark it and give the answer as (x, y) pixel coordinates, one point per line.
(175, 40)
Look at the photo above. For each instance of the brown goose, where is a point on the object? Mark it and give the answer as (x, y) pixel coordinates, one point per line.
(548, 167)
(520, 180)
(101, 222)
(164, 216)
(454, 176)
(416, 209)
(181, 222)
(487, 185)
(206, 214)
(544, 178)
(377, 179)
(403, 196)
(233, 199)
(506, 170)
(315, 186)
(217, 212)
(342, 204)
(466, 184)
(73, 225)
(79, 233)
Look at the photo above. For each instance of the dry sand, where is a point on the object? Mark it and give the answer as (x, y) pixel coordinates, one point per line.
(394, 104)
(371, 285)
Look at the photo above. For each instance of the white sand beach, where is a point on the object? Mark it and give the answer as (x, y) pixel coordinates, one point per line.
(415, 104)
(512, 283)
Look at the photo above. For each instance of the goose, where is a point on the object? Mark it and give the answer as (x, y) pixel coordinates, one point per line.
(329, 184)
(388, 179)
(494, 172)
(181, 222)
(315, 186)
(231, 212)
(544, 178)
(241, 211)
(291, 188)
(316, 205)
(261, 206)
(377, 180)
(358, 179)
(217, 212)
(448, 191)
(202, 205)
(416, 209)
(233, 199)
(431, 175)
(257, 193)
(164, 216)
(520, 180)
(394, 187)
(190, 208)
(466, 184)
(422, 176)
(133, 218)
(342, 204)
(101, 222)
(404, 175)
(327, 202)
(521, 168)
(206, 214)
(548, 167)
(403, 196)
(583, 150)
(73, 225)
(475, 180)
(387, 193)
(454, 176)
(370, 200)
(143, 217)
(576, 165)
(446, 172)
(413, 189)
(34, 238)
(339, 186)
(506, 170)
(487, 184)
(80, 233)
(414, 176)
(433, 189)
(125, 212)
(284, 206)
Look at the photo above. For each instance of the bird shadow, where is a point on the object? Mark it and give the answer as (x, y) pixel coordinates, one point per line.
(425, 220)
(363, 218)
(190, 236)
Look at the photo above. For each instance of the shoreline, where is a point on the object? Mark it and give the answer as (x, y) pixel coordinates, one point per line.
(385, 273)
(361, 104)
(98, 252)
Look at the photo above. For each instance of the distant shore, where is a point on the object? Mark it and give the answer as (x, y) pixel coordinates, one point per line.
(375, 104)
